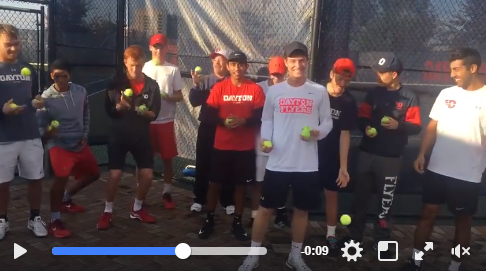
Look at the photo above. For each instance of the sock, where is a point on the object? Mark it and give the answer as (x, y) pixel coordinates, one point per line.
(417, 263)
(296, 249)
(167, 188)
(67, 196)
(137, 205)
(454, 266)
(108, 207)
(254, 244)
(236, 219)
(331, 231)
(55, 216)
(34, 213)
(4, 217)
(210, 217)
(253, 214)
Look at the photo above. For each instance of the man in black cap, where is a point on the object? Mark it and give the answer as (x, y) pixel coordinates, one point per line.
(296, 115)
(234, 106)
(387, 117)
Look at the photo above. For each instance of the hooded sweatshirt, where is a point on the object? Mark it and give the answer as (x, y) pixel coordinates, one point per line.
(71, 110)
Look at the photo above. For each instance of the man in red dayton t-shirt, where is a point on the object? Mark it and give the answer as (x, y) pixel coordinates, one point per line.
(235, 106)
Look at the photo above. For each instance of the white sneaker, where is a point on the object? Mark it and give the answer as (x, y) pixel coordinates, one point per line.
(250, 263)
(4, 226)
(230, 209)
(196, 207)
(297, 263)
(37, 226)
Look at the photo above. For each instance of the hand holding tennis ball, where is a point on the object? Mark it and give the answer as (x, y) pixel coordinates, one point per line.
(25, 72)
(371, 132)
(128, 92)
(142, 107)
(385, 120)
(306, 132)
(266, 146)
(13, 105)
(198, 69)
(54, 125)
(345, 220)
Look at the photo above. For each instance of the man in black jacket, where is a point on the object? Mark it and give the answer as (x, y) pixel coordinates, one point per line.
(132, 101)
(387, 117)
(198, 96)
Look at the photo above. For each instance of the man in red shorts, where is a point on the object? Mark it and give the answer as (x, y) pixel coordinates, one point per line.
(67, 104)
(162, 133)
(235, 106)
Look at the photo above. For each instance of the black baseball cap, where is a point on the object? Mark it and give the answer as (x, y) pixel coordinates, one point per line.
(237, 56)
(295, 46)
(387, 62)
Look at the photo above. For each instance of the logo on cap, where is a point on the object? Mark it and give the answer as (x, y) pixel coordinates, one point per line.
(382, 61)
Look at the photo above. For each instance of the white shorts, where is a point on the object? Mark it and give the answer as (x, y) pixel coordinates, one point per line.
(27, 155)
(261, 167)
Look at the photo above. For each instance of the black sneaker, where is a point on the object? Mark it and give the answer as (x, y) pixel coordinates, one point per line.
(410, 266)
(282, 222)
(332, 243)
(386, 254)
(207, 230)
(250, 222)
(238, 232)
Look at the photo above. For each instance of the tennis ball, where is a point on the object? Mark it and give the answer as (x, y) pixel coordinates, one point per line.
(13, 105)
(55, 123)
(228, 121)
(306, 132)
(198, 69)
(267, 144)
(142, 107)
(25, 72)
(345, 220)
(385, 120)
(372, 131)
(128, 92)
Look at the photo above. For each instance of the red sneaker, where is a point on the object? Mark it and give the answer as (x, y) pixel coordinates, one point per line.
(104, 222)
(57, 229)
(71, 207)
(142, 215)
(168, 202)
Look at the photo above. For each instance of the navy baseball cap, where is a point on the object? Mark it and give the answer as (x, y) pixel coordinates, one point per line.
(237, 56)
(295, 46)
(387, 62)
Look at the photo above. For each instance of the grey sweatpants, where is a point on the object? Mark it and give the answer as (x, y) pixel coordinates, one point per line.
(374, 173)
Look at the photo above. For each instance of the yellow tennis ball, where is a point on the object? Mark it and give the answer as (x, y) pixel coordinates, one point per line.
(385, 120)
(25, 72)
(267, 144)
(13, 106)
(128, 92)
(55, 123)
(142, 107)
(345, 220)
(198, 69)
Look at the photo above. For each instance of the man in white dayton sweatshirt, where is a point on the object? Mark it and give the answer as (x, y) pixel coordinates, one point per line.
(289, 107)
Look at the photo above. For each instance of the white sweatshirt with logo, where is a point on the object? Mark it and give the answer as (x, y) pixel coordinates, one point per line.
(286, 112)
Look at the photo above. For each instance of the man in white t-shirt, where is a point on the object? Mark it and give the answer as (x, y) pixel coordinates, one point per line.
(296, 114)
(455, 134)
(276, 74)
(162, 132)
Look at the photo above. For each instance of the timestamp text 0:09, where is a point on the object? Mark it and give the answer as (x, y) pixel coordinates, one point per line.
(319, 250)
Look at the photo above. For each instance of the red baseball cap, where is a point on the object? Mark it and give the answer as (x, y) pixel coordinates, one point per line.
(343, 66)
(277, 65)
(219, 52)
(158, 39)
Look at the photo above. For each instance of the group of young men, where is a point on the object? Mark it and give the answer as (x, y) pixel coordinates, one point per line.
(284, 133)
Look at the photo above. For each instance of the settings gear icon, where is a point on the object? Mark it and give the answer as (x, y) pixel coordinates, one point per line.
(347, 246)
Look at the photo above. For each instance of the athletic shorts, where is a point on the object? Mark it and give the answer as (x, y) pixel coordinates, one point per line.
(27, 155)
(139, 148)
(461, 197)
(80, 164)
(162, 136)
(328, 175)
(237, 167)
(306, 190)
(261, 167)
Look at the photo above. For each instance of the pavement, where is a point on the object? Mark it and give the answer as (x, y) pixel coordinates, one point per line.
(181, 226)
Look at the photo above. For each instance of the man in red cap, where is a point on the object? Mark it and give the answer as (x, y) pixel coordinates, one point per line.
(276, 74)
(334, 149)
(162, 132)
(198, 95)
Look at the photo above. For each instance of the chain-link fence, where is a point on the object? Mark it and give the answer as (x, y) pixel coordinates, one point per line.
(30, 20)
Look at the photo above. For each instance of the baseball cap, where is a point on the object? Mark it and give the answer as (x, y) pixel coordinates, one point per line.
(388, 62)
(237, 56)
(344, 65)
(295, 46)
(158, 39)
(219, 52)
(277, 65)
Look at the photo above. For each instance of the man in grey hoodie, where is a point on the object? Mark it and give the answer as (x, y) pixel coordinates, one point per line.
(20, 143)
(64, 115)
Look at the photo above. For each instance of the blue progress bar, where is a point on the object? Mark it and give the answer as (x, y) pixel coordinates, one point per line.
(114, 251)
